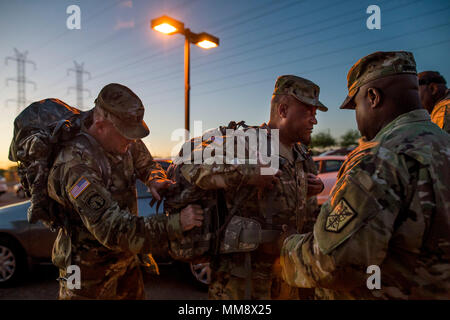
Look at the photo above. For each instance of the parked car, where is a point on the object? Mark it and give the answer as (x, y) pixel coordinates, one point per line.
(3, 186)
(23, 245)
(327, 167)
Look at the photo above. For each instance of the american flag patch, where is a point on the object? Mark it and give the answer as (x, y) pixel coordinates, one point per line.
(79, 187)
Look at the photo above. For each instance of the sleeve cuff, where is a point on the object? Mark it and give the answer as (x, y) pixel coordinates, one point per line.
(174, 229)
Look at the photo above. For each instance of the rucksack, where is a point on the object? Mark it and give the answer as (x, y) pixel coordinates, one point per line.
(219, 233)
(40, 131)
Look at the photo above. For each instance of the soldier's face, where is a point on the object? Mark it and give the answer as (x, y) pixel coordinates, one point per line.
(298, 122)
(426, 97)
(364, 117)
(111, 139)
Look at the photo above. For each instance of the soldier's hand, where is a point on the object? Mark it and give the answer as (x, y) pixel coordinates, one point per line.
(157, 185)
(191, 216)
(315, 185)
(287, 231)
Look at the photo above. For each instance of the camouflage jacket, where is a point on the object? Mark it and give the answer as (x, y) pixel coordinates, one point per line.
(104, 233)
(390, 208)
(286, 204)
(441, 112)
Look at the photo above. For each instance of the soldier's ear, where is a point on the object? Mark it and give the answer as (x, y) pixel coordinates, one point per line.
(374, 97)
(282, 109)
(434, 88)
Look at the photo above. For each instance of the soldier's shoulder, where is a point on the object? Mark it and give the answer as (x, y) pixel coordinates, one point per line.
(423, 141)
(78, 150)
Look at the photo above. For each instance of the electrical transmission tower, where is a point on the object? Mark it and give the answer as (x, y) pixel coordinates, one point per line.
(21, 59)
(79, 71)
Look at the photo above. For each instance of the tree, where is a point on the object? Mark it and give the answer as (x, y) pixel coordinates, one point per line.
(322, 140)
(350, 138)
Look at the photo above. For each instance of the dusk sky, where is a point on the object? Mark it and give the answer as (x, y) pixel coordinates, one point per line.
(259, 40)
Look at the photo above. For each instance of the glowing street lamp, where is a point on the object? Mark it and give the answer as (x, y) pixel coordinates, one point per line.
(169, 26)
(207, 41)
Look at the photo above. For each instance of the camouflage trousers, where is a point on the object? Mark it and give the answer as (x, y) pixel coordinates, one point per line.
(121, 285)
(228, 287)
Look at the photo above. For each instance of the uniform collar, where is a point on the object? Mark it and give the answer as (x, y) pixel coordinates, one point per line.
(418, 115)
(287, 152)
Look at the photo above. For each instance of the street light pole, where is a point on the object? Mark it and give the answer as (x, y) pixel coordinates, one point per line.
(187, 82)
(168, 25)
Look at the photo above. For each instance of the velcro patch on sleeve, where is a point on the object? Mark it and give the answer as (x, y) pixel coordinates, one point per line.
(339, 217)
(79, 187)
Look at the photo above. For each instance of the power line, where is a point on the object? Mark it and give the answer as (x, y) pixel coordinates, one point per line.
(208, 64)
(115, 35)
(21, 59)
(311, 57)
(285, 19)
(346, 63)
(145, 21)
(284, 32)
(172, 49)
(268, 12)
(161, 52)
(295, 60)
(221, 59)
(308, 33)
(95, 45)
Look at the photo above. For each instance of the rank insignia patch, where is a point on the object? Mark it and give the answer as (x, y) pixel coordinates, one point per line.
(79, 187)
(339, 217)
(96, 202)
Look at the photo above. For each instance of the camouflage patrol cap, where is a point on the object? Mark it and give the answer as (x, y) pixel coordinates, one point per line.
(375, 66)
(302, 89)
(125, 110)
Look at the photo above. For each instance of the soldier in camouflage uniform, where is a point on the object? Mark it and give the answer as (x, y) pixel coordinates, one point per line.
(103, 233)
(390, 206)
(256, 275)
(435, 98)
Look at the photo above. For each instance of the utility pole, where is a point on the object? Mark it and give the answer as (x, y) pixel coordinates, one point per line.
(21, 59)
(79, 71)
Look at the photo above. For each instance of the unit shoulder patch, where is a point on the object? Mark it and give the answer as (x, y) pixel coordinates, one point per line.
(96, 201)
(339, 217)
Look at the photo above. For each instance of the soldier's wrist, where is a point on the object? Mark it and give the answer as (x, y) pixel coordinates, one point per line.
(173, 227)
